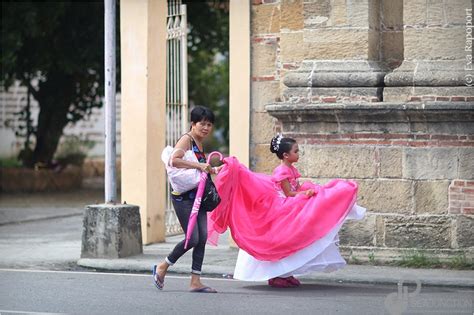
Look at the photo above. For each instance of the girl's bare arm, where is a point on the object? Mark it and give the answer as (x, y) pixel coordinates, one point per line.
(286, 187)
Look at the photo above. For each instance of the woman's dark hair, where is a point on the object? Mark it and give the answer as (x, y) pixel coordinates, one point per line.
(280, 145)
(201, 113)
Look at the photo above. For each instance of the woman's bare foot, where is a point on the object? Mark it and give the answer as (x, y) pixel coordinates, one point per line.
(197, 286)
(161, 271)
(196, 282)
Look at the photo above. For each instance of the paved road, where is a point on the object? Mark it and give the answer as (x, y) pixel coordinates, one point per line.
(40, 275)
(114, 293)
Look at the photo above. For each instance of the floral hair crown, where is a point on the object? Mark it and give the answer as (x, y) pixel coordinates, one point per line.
(276, 144)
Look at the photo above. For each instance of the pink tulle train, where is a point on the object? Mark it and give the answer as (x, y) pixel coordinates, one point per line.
(268, 226)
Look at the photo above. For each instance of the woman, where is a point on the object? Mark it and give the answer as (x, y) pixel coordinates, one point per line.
(202, 121)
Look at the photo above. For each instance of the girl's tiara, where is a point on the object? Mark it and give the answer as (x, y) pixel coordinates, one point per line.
(276, 144)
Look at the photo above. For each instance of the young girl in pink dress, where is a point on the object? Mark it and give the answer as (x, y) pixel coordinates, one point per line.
(283, 228)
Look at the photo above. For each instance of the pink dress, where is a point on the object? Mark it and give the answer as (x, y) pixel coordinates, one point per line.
(279, 235)
(289, 173)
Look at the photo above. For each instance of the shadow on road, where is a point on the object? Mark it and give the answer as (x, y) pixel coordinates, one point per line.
(325, 288)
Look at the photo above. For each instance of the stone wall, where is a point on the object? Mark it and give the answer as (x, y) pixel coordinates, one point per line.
(16, 180)
(373, 91)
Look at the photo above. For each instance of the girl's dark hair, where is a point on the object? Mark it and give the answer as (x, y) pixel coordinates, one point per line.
(201, 113)
(280, 145)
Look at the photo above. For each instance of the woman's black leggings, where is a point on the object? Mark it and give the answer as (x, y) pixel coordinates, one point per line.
(182, 205)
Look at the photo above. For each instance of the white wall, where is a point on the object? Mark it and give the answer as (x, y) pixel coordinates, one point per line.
(14, 100)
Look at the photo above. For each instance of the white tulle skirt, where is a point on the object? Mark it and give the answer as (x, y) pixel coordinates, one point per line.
(321, 256)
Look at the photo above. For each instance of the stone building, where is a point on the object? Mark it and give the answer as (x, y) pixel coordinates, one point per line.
(377, 91)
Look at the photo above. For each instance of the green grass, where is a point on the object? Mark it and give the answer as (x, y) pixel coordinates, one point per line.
(461, 262)
(418, 259)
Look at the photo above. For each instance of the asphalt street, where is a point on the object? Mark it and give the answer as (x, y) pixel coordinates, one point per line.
(41, 291)
(40, 247)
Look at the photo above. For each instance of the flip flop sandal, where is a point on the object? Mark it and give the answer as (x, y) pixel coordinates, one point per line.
(159, 283)
(204, 290)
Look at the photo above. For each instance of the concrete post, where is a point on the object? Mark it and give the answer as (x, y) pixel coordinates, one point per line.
(143, 70)
(239, 80)
(239, 83)
(110, 130)
(110, 230)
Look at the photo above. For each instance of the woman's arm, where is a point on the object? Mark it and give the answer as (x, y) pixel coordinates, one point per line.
(177, 158)
(286, 187)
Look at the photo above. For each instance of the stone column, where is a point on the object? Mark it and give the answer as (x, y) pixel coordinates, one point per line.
(265, 80)
(239, 74)
(143, 58)
(437, 51)
(332, 51)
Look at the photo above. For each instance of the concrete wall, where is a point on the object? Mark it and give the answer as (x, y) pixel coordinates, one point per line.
(90, 128)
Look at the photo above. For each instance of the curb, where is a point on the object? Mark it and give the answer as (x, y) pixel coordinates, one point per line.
(115, 265)
(21, 221)
(215, 271)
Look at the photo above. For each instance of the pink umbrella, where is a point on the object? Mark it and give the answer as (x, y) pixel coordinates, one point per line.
(197, 201)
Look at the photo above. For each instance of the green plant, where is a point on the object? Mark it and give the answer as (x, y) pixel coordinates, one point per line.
(9, 162)
(372, 260)
(208, 67)
(354, 260)
(73, 150)
(460, 262)
(55, 50)
(417, 259)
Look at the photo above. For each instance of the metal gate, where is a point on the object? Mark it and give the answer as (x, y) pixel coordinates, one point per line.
(176, 91)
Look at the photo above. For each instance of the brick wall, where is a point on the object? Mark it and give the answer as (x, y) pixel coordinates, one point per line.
(461, 197)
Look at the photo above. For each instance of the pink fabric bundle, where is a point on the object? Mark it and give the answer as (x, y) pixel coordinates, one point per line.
(270, 227)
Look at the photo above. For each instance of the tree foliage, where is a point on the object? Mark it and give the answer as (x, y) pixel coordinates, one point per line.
(58, 45)
(208, 67)
(55, 49)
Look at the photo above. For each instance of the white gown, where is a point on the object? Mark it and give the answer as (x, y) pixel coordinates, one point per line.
(321, 256)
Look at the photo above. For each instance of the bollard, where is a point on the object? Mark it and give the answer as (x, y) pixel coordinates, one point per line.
(111, 231)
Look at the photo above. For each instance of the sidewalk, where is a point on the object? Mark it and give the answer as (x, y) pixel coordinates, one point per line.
(27, 207)
(29, 212)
